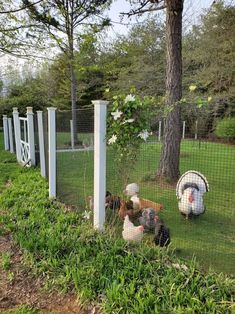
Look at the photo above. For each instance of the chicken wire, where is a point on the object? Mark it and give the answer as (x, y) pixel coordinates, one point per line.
(74, 157)
(36, 140)
(209, 237)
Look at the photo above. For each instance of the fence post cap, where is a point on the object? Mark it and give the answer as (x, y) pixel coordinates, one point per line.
(100, 102)
(15, 109)
(29, 110)
(4, 116)
(51, 108)
(39, 111)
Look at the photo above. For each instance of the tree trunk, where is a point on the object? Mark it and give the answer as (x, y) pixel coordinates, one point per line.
(74, 100)
(73, 80)
(170, 153)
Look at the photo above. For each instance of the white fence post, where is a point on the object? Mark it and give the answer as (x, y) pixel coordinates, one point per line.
(100, 163)
(159, 131)
(41, 144)
(17, 133)
(196, 127)
(52, 151)
(31, 135)
(183, 134)
(72, 134)
(10, 135)
(5, 131)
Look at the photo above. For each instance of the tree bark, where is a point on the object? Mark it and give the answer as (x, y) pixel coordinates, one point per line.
(170, 153)
(74, 100)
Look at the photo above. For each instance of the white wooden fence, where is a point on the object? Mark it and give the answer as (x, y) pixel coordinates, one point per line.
(24, 134)
(25, 149)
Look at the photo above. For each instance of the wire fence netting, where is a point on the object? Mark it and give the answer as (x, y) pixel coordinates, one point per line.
(74, 157)
(201, 224)
(207, 234)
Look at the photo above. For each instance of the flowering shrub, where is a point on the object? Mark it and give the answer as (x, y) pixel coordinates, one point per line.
(128, 127)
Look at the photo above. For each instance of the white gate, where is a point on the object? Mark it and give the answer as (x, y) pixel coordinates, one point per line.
(24, 137)
(24, 142)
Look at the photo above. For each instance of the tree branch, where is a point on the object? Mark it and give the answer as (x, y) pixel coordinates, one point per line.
(18, 27)
(152, 8)
(20, 9)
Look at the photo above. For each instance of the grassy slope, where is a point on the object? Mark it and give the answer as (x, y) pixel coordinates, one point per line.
(210, 237)
(8, 167)
(124, 279)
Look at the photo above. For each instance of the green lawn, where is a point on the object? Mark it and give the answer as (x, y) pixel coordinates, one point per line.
(62, 247)
(210, 238)
(8, 166)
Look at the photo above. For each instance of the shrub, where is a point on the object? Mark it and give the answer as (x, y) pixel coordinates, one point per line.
(128, 127)
(226, 128)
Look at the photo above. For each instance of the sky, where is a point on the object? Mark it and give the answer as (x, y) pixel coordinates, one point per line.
(192, 11)
(120, 26)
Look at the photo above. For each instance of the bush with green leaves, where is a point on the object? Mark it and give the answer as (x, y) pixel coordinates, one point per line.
(128, 126)
(226, 128)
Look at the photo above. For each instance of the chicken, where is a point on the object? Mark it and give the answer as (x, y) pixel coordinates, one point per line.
(112, 201)
(143, 203)
(126, 208)
(189, 190)
(130, 232)
(132, 190)
(162, 233)
(148, 219)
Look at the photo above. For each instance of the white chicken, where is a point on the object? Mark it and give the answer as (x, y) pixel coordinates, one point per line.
(132, 190)
(189, 190)
(130, 232)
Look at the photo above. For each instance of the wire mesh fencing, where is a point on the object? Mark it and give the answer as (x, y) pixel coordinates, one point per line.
(201, 225)
(74, 157)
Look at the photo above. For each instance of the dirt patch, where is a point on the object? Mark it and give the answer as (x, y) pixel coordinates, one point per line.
(18, 287)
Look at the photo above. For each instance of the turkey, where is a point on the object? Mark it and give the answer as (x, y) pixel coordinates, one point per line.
(189, 190)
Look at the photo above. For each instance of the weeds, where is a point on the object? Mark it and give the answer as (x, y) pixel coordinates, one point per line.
(6, 260)
(23, 309)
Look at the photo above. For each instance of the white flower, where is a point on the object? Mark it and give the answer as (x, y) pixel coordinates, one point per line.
(184, 267)
(112, 139)
(144, 135)
(116, 114)
(129, 98)
(177, 266)
(128, 121)
(180, 267)
(86, 215)
(192, 88)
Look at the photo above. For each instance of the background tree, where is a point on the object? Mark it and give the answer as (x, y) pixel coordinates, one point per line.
(137, 59)
(170, 153)
(209, 61)
(19, 36)
(60, 19)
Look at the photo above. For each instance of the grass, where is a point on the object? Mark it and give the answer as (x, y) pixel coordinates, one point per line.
(23, 309)
(210, 238)
(65, 249)
(62, 247)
